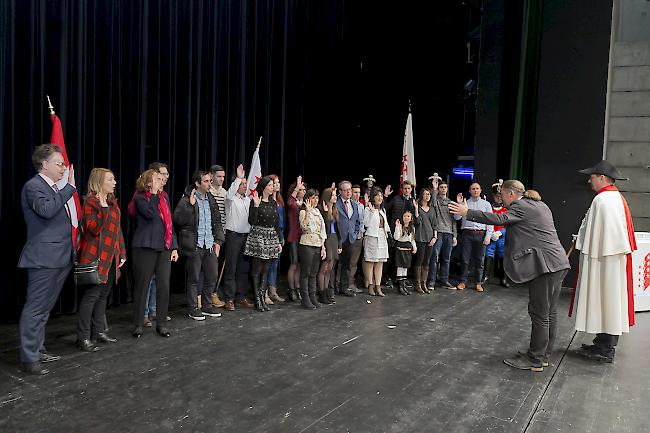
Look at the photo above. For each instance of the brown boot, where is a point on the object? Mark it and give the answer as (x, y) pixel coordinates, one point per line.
(417, 271)
(273, 294)
(378, 290)
(267, 299)
(216, 301)
(371, 290)
(423, 279)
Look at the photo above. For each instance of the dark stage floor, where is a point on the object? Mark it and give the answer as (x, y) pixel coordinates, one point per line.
(423, 363)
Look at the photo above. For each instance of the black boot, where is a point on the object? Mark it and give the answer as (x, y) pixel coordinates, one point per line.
(489, 269)
(323, 298)
(259, 293)
(264, 288)
(389, 284)
(502, 272)
(401, 287)
(330, 296)
(304, 299)
(312, 298)
(291, 295)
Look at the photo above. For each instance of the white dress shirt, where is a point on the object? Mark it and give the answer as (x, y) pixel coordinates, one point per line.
(237, 207)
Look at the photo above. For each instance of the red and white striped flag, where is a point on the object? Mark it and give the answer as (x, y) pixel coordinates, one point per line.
(255, 172)
(74, 205)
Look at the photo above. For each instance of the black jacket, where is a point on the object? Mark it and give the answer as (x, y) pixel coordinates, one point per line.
(149, 227)
(395, 209)
(186, 219)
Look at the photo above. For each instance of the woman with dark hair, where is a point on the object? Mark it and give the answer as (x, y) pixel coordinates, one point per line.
(272, 295)
(154, 247)
(295, 196)
(102, 239)
(375, 241)
(263, 242)
(330, 214)
(425, 239)
(311, 249)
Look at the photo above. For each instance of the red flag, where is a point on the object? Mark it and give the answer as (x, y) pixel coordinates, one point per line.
(74, 205)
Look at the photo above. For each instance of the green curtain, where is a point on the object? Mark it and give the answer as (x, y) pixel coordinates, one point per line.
(523, 141)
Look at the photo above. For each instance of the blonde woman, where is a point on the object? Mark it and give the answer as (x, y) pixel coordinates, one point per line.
(102, 239)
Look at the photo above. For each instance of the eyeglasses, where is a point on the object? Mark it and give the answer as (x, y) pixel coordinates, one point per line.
(58, 164)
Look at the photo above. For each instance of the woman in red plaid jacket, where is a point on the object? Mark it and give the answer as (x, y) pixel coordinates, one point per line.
(102, 238)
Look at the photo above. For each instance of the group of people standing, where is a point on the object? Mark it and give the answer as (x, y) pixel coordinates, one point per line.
(327, 233)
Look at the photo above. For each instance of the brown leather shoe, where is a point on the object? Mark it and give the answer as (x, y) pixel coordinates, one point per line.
(460, 286)
(147, 322)
(244, 303)
(216, 301)
(479, 288)
(230, 305)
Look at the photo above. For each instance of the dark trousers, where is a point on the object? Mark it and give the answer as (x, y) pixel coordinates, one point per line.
(309, 265)
(92, 308)
(201, 263)
(347, 248)
(235, 276)
(606, 343)
(543, 293)
(440, 257)
(423, 256)
(472, 251)
(43, 289)
(146, 264)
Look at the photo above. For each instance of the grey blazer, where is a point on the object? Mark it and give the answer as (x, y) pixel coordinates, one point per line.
(49, 231)
(532, 247)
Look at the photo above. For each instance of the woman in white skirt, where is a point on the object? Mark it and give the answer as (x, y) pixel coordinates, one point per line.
(375, 241)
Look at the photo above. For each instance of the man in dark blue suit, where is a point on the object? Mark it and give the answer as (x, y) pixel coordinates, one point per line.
(349, 226)
(48, 252)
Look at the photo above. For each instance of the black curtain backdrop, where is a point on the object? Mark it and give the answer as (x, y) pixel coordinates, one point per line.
(192, 83)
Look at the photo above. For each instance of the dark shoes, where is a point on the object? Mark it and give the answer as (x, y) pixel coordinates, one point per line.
(523, 363)
(523, 354)
(137, 332)
(245, 303)
(210, 310)
(593, 353)
(35, 368)
(46, 357)
(196, 314)
(87, 346)
(163, 332)
(347, 292)
(102, 337)
(230, 305)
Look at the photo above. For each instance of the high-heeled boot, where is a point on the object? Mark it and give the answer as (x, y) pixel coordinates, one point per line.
(489, 269)
(312, 297)
(401, 286)
(424, 274)
(263, 287)
(304, 299)
(502, 272)
(417, 270)
(323, 298)
(258, 293)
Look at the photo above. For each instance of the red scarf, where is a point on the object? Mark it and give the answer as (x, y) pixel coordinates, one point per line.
(628, 267)
(165, 216)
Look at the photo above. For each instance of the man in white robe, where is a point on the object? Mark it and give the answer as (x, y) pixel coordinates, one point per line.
(603, 300)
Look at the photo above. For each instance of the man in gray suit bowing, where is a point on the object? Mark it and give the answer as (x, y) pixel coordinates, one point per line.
(533, 255)
(48, 252)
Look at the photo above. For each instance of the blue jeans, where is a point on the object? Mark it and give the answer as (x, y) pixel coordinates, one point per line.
(497, 246)
(150, 303)
(273, 273)
(441, 254)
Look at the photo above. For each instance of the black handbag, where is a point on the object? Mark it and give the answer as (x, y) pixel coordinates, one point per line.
(87, 273)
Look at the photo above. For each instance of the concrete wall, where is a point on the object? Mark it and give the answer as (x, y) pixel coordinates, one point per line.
(627, 144)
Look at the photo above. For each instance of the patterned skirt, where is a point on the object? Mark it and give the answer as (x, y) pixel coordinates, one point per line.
(262, 242)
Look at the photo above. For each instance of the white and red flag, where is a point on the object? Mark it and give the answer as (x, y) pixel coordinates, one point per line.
(255, 172)
(408, 156)
(73, 205)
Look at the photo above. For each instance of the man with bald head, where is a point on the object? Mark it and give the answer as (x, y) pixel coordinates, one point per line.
(533, 255)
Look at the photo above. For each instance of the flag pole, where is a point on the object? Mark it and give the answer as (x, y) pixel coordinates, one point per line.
(259, 142)
(51, 107)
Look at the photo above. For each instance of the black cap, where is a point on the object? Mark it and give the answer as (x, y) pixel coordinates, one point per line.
(605, 168)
